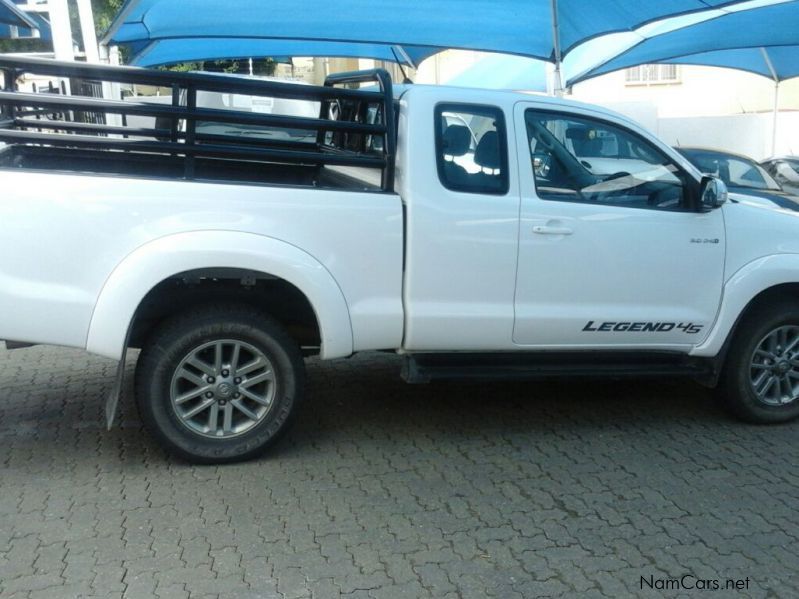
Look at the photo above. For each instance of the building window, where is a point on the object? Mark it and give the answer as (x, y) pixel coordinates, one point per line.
(652, 73)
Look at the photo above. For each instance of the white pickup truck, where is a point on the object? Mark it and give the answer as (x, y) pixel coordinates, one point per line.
(480, 234)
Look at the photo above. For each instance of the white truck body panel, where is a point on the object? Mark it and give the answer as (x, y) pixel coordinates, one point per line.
(426, 269)
(162, 258)
(96, 225)
(762, 252)
(460, 247)
(615, 264)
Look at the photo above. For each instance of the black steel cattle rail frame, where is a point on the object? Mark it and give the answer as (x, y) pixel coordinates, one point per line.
(21, 122)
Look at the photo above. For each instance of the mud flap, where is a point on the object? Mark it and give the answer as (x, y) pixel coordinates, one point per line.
(112, 401)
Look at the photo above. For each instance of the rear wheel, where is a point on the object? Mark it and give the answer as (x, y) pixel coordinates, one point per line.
(761, 377)
(219, 384)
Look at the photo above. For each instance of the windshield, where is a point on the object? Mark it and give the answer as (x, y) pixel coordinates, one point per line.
(735, 171)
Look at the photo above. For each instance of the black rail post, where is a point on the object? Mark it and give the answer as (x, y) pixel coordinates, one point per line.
(390, 139)
(176, 103)
(8, 111)
(383, 79)
(191, 131)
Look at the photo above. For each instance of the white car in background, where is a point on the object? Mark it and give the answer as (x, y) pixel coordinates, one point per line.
(785, 170)
(239, 102)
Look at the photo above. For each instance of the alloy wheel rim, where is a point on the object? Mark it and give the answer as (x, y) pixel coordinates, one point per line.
(774, 367)
(223, 388)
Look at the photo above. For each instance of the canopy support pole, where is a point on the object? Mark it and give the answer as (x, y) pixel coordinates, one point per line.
(61, 30)
(86, 17)
(402, 56)
(558, 84)
(774, 118)
(776, 110)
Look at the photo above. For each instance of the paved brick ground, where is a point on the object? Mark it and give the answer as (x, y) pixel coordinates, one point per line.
(387, 490)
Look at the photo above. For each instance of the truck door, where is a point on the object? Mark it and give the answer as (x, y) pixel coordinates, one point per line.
(610, 252)
(462, 207)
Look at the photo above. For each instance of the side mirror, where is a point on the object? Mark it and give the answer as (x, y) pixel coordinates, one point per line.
(542, 163)
(712, 193)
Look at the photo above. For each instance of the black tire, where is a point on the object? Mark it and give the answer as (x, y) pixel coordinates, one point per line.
(738, 393)
(163, 358)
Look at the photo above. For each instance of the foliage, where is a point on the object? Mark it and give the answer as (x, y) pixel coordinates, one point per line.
(25, 45)
(183, 67)
(260, 66)
(104, 13)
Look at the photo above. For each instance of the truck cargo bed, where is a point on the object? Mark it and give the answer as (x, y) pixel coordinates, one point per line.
(153, 166)
(351, 144)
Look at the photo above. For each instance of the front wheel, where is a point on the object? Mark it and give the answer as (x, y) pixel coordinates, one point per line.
(761, 377)
(220, 384)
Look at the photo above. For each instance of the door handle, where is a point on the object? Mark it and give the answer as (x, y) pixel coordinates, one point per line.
(545, 230)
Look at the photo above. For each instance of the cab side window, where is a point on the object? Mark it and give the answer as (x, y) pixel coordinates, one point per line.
(471, 148)
(578, 159)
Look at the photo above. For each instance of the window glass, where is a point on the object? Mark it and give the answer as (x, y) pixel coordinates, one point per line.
(471, 149)
(652, 73)
(583, 160)
(744, 174)
(789, 169)
(734, 171)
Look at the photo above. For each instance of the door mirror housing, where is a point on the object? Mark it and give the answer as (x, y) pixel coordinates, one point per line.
(542, 163)
(712, 193)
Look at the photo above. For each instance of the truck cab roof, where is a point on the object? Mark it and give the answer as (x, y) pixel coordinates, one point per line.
(501, 97)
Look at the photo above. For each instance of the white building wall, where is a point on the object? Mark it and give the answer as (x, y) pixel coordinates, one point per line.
(699, 91)
(747, 134)
(709, 107)
(445, 65)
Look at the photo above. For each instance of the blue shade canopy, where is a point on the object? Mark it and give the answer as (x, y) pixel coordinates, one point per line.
(768, 26)
(522, 27)
(42, 26)
(171, 51)
(499, 71)
(11, 15)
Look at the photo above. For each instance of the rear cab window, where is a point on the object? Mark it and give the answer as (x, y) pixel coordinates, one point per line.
(472, 148)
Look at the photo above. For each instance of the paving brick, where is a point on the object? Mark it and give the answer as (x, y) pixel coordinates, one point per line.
(385, 491)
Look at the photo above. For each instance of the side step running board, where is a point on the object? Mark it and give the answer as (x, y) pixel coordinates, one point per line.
(17, 345)
(424, 368)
